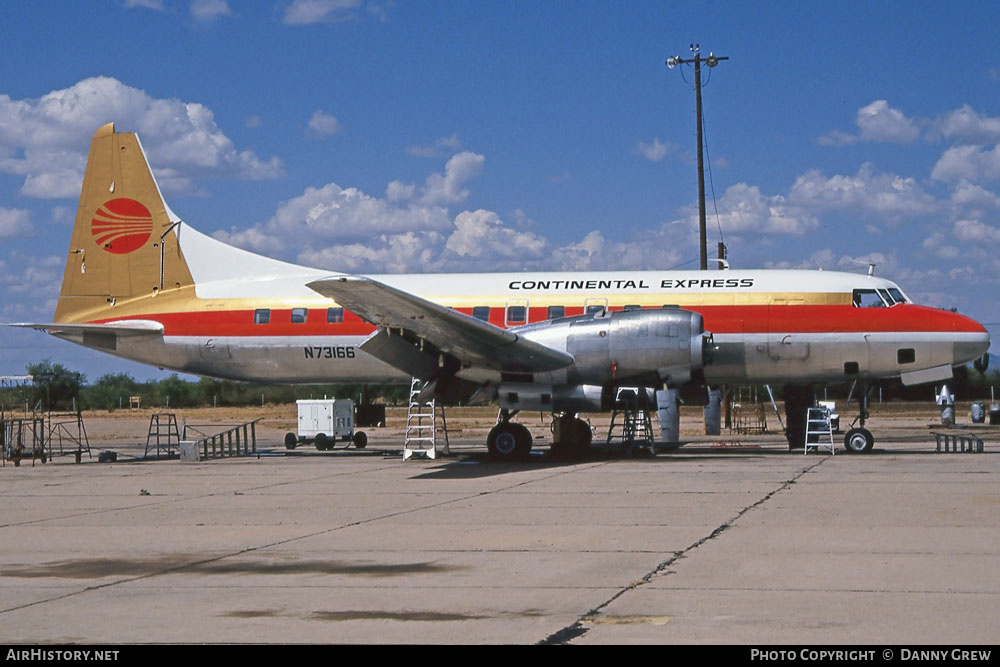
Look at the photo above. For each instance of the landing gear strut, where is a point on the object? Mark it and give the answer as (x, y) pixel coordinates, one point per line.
(508, 441)
(860, 440)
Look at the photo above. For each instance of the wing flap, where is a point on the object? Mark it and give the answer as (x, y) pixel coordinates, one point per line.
(469, 340)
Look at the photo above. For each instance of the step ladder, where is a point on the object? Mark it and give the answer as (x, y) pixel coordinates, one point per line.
(819, 431)
(422, 428)
(634, 428)
(163, 432)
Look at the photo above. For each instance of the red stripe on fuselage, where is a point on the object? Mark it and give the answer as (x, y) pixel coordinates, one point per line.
(718, 319)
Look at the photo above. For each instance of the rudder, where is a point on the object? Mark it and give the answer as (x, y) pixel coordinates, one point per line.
(115, 254)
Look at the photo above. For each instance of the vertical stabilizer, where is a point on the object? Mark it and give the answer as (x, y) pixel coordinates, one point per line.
(115, 255)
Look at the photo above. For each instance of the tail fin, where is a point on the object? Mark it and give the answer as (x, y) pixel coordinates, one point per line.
(124, 244)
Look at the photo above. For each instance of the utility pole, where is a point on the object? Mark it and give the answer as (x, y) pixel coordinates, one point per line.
(711, 61)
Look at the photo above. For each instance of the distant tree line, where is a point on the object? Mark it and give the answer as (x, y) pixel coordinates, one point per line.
(59, 388)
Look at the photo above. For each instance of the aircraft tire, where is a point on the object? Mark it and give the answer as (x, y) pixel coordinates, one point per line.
(291, 440)
(508, 441)
(322, 443)
(859, 441)
(360, 439)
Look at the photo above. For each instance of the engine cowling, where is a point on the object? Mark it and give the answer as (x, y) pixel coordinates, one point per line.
(640, 347)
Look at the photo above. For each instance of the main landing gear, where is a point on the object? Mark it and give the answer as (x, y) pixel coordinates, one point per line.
(860, 440)
(508, 441)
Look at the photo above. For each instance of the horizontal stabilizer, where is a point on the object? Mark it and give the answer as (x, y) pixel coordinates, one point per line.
(122, 329)
(469, 340)
(103, 336)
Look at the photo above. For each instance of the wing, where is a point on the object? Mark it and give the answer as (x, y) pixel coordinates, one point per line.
(469, 340)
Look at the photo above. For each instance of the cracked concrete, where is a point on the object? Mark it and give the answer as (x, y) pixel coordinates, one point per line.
(707, 544)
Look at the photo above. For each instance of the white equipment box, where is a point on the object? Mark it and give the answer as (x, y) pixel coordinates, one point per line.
(325, 422)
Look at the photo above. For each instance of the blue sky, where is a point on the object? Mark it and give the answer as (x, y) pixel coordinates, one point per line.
(456, 136)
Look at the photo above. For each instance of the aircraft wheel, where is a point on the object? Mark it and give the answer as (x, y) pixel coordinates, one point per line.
(322, 443)
(859, 441)
(291, 440)
(508, 441)
(360, 439)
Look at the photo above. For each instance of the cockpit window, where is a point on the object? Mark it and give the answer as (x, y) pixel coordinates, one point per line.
(868, 298)
(897, 295)
(886, 297)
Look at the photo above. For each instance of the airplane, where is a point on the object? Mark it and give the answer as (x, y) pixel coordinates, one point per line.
(143, 284)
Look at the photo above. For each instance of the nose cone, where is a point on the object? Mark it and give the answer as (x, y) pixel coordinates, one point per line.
(972, 340)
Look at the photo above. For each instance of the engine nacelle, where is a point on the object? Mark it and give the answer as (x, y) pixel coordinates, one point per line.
(640, 347)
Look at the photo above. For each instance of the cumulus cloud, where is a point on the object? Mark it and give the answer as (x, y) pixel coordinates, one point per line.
(868, 191)
(968, 163)
(46, 139)
(209, 10)
(144, 4)
(877, 122)
(307, 12)
(323, 124)
(655, 150)
(15, 222)
(744, 207)
(412, 229)
(976, 231)
(967, 126)
(438, 148)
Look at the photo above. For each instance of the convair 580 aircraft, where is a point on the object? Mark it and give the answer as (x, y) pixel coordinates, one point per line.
(142, 284)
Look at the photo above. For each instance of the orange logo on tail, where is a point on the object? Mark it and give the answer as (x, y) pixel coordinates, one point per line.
(121, 226)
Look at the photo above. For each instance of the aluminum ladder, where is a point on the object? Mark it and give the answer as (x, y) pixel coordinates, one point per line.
(819, 431)
(421, 437)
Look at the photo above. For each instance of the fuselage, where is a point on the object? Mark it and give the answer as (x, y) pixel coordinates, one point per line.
(252, 318)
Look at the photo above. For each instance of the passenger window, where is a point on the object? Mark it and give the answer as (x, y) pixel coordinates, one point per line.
(555, 312)
(906, 355)
(262, 316)
(632, 306)
(516, 314)
(299, 315)
(595, 309)
(481, 313)
(334, 315)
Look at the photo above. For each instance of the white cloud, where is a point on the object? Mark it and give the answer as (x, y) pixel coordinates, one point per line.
(967, 126)
(967, 194)
(880, 122)
(439, 148)
(47, 139)
(145, 4)
(877, 122)
(976, 231)
(209, 10)
(306, 12)
(482, 234)
(323, 124)
(968, 163)
(883, 194)
(744, 207)
(655, 150)
(15, 222)
(447, 188)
